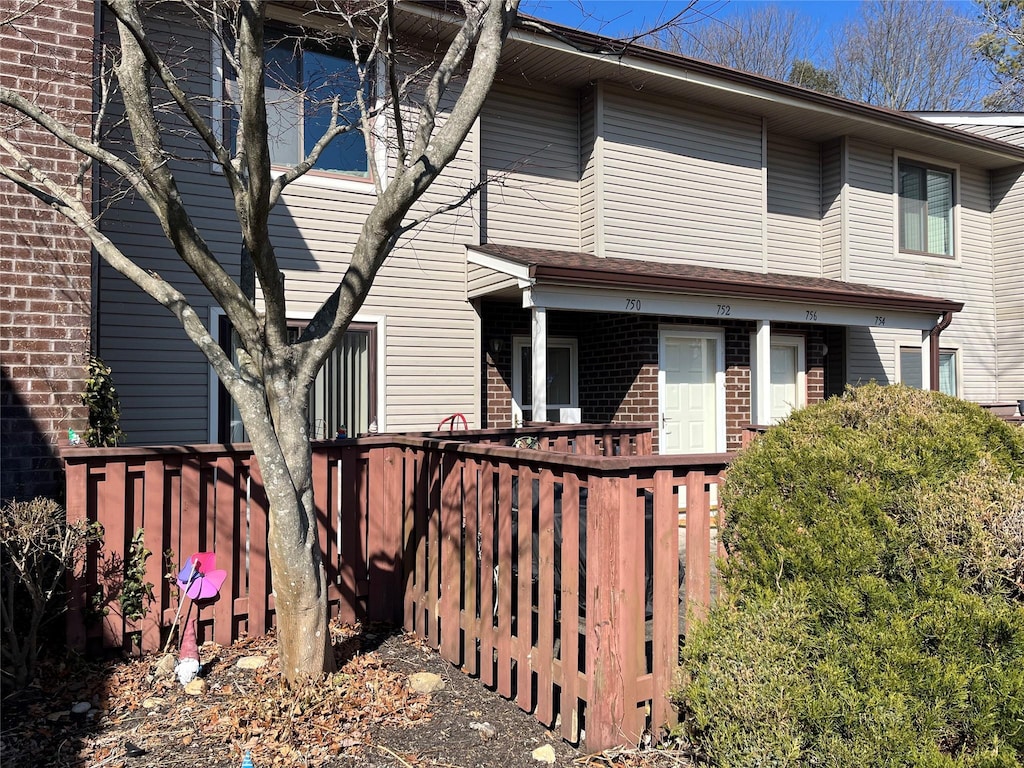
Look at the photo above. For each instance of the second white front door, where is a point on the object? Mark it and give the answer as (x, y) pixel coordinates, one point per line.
(788, 385)
(691, 384)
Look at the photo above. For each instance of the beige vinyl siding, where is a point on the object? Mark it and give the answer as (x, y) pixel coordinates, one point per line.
(482, 280)
(429, 334)
(832, 219)
(874, 259)
(432, 348)
(683, 184)
(1008, 256)
(589, 150)
(871, 356)
(529, 152)
(794, 207)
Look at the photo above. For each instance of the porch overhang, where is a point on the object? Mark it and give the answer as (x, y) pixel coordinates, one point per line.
(569, 280)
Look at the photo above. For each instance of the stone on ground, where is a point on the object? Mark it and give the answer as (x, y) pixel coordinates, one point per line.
(545, 754)
(251, 662)
(425, 682)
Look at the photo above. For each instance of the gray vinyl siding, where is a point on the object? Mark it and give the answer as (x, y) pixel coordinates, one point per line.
(794, 209)
(874, 259)
(1008, 257)
(589, 203)
(1013, 134)
(161, 378)
(529, 152)
(429, 332)
(832, 221)
(683, 184)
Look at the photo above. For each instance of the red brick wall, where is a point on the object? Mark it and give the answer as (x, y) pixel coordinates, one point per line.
(45, 263)
(618, 365)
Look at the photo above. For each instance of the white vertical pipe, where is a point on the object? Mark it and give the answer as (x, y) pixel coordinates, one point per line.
(761, 394)
(926, 360)
(540, 363)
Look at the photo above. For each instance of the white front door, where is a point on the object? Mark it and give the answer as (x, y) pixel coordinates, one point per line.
(784, 373)
(691, 379)
(787, 376)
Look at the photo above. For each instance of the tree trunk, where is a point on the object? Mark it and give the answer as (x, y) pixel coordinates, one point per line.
(281, 446)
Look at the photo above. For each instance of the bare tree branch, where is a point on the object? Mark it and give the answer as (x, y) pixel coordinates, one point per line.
(128, 18)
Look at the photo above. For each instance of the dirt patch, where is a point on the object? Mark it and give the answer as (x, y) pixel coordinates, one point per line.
(128, 714)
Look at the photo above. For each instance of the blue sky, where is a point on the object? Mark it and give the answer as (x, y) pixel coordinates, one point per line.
(615, 17)
(619, 17)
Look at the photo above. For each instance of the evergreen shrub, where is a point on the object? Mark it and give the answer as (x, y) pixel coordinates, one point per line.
(876, 582)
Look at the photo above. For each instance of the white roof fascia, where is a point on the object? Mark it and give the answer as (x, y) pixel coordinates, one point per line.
(1015, 119)
(520, 272)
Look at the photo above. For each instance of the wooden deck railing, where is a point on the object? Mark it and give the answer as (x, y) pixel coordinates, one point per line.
(482, 548)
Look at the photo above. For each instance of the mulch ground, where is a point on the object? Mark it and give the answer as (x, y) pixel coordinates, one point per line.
(364, 715)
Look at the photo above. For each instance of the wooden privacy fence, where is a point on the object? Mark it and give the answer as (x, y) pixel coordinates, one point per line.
(561, 579)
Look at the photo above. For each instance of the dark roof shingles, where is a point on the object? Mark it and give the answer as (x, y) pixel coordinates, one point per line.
(578, 267)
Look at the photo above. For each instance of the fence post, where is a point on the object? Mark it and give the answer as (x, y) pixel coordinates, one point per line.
(665, 619)
(154, 479)
(77, 509)
(386, 516)
(698, 547)
(615, 638)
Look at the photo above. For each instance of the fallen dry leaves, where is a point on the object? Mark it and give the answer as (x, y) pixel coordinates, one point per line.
(241, 710)
(358, 716)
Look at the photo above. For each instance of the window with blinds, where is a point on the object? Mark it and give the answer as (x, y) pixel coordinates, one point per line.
(912, 375)
(926, 204)
(341, 399)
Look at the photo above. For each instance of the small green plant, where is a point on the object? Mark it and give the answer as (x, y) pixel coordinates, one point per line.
(38, 547)
(104, 407)
(136, 592)
(877, 610)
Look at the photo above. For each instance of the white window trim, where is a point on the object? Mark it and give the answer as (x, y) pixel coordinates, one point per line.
(213, 398)
(216, 313)
(525, 342)
(718, 334)
(939, 165)
(957, 366)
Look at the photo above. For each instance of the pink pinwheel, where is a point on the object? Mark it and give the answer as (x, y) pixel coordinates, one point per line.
(200, 579)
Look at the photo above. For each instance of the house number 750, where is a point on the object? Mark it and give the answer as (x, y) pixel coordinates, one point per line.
(632, 305)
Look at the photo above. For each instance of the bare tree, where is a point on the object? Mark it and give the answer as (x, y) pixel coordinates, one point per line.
(154, 104)
(767, 41)
(908, 56)
(1001, 48)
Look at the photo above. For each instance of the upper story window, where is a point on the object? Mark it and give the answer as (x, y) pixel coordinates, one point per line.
(302, 84)
(926, 204)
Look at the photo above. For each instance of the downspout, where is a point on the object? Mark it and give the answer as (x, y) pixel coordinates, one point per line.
(933, 344)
